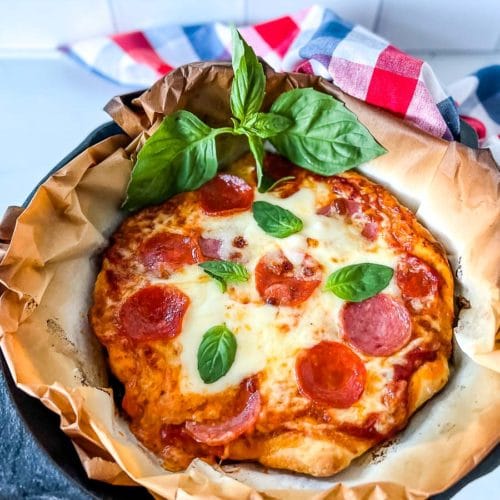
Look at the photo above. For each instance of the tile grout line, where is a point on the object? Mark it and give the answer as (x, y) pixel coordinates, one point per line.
(378, 16)
(113, 15)
(245, 12)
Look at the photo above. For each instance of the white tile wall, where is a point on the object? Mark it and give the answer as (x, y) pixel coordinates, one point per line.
(43, 24)
(359, 11)
(56, 104)
(451, 25)
(136, 14)
(451, 67)
(464, 25)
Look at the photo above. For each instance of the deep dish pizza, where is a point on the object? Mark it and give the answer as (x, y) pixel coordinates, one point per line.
(296, 327)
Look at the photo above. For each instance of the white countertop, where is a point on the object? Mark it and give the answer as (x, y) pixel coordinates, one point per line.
(49, 103)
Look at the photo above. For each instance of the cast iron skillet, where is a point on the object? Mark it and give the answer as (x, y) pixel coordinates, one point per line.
(44, 424)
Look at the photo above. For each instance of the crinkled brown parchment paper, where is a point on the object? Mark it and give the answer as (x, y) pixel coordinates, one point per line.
(49, 267)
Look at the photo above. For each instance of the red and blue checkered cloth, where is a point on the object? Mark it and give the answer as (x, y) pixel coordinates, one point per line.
(314, 40)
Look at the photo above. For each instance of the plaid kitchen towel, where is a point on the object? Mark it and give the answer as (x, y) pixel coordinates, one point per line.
(478, 99)
(314, 40)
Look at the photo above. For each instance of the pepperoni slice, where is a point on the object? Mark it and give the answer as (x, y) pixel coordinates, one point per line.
(340, 206)
(280, 283)
(210, 247)
(166, 252)
(226, 194)
(277, 167)
(331, 374)
(413, 361)
(370, 231)
(153, 313)
(379, 326)
(176, 435)
(221, 433)
(353, 209)
(416, 279)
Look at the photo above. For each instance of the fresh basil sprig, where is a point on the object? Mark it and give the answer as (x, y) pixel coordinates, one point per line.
(265, 125)
(325, 137)
(179, 156)
(275, 220)
(225, 271)
(249, 83)
(216, 353)
(312, 129)
(256, 145)
(359, 281)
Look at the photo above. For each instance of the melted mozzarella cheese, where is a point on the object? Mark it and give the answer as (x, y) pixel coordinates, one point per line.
(269, 337)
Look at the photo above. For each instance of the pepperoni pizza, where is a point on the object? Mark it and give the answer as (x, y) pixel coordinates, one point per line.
(302, 358)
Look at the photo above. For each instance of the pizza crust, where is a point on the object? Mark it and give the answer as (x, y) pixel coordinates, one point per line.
(310, 455)
(427, 381)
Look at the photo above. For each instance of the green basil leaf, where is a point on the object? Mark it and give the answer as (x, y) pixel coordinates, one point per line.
(221, 283)
(225, 271)
(265, 125)
(269, 184)
(216, 353)
(359, 281)
(257, 148)
(249, 82)
(274, 220)
(179, 156)
(325, 136)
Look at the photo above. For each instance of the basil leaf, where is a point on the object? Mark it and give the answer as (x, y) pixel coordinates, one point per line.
(264, 182)
(265, 125)
(269, 184)
(359, 281)
(216, 353)
(325, 137)
(179, 156)
(225, 271)
(257, 149)
(221, 283)
(275, 220)
(249, 82)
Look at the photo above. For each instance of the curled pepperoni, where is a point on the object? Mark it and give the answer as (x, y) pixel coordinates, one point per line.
(153, 313)
(416, 279)
(379, 326)
(166, 252)
(176, 435)
(331, 374)
(221, 433)
(226, 194)
(280, 283)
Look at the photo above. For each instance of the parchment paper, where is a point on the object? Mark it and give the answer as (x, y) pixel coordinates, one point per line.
(49, 267)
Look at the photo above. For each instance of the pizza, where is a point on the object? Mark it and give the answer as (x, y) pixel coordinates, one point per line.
(312, 370)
